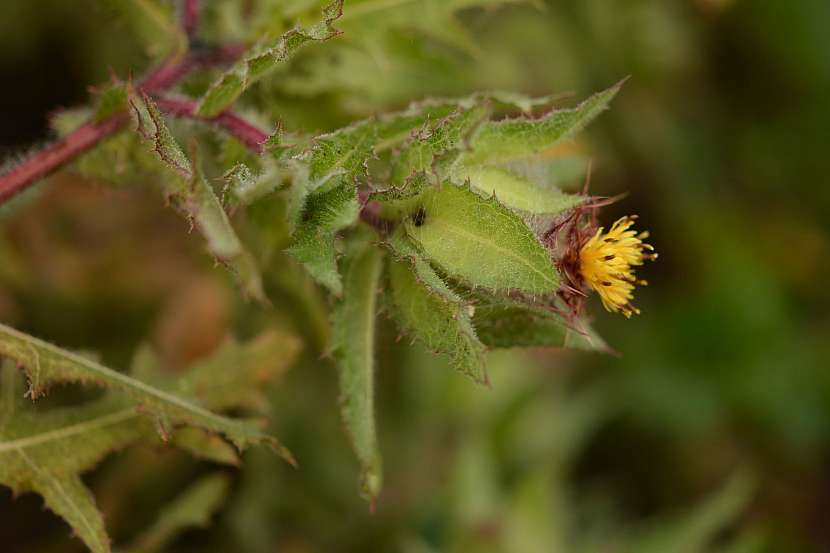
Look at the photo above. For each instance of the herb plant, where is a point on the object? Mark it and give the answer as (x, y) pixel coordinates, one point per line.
(446, 215)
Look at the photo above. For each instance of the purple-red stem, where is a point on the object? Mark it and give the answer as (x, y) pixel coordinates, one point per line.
(57, 154)
(190, 16)
(247, 133)
(254, 139)
(66, 149)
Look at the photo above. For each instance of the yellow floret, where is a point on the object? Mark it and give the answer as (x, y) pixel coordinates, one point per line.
(607, 264)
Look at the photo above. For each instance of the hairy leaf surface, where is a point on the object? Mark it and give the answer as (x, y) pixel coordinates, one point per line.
(354, 350)
(429, 311)
(512, 139)
(314, 242)
(481, 242)
(418, 135)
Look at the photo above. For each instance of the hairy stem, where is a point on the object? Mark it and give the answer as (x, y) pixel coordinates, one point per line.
(57, 154)
(66, 149)
(251, 136)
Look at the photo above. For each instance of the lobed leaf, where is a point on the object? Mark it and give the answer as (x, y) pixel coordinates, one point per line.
(481, 242)
(265, 57)
(353, 328)
(46, 364)
(45, 451)
(255, 362)
(41, 453)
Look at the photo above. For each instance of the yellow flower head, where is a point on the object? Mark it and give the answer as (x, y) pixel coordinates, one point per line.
(607, 262)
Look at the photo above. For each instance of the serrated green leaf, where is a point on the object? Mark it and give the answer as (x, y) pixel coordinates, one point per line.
(429, 311)
(255, 362)
(405, 250)
(45, 451)
(264, 58)
(28, 463)
(481, 242)
(70, 499)
(46, 364)
(314, 242)
(192, 509)
(151, 127)
(519, 193)
(512, 139)
(419, 135)
(353, 336)
(434, 138)
(191, 195)
(509, 324)
(296, 195)
(47, 439)
(346, 150)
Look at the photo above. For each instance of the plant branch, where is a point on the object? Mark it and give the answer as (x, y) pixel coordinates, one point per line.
(190, 16)
(254, 139)
(69, 147)
(57, 154)
(246, 132)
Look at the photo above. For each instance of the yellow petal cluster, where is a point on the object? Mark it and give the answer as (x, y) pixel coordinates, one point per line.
(607, 262)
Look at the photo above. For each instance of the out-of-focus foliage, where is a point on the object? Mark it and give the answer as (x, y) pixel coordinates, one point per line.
(708, 433)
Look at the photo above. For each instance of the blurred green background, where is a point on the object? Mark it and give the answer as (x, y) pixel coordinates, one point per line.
(710, 432)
